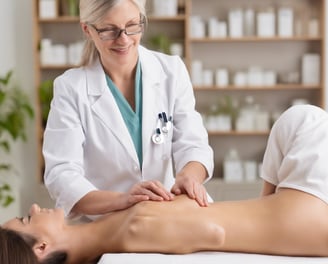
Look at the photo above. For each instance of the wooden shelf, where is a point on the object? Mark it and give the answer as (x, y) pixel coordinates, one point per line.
(221, 190)
(57, 67)
(278, 87)
(282, 55)
(178, 18)
(255, 39)
(60, 19)
(238, 133)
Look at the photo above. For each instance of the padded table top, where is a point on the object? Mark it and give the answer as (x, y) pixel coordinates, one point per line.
(205, 257)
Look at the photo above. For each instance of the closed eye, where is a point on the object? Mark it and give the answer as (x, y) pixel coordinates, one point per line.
(20, 219)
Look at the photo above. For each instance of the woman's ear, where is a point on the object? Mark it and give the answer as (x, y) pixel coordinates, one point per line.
(41, 249)
(85, 29)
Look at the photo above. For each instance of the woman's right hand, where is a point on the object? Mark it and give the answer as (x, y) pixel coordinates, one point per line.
(147, 190)
(102, 202)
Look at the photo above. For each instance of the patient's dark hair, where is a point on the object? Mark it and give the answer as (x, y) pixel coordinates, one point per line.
(16, 248)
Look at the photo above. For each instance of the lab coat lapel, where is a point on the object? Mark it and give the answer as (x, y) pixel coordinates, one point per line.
(105, 107)
(152, 100)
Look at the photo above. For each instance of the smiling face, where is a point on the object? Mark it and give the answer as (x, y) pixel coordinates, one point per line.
(123, 50)
(40, 223)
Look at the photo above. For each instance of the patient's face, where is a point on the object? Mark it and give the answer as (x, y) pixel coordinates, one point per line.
(39, 222)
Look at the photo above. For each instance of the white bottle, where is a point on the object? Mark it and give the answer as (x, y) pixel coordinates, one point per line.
(285, 22)
(250, 170)
(213, 27)
(165, 8)
(221, 77)
(197, 72)
(249, 22)
(311, 68)
(197, 27)
(232, 167)
(261, 119)
(235, 20)
(266, 22)
(245, 120)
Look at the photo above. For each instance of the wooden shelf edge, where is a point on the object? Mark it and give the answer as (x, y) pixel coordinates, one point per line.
(237, 133)
(255, 39)
(181, 17)
(59, 19)
(57, 67)
(296, 86)
(220, 181)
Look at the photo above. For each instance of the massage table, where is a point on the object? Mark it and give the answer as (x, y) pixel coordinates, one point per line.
(206, 258)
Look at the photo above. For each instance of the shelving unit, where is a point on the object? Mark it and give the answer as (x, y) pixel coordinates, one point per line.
(51, 28)
(281, 54)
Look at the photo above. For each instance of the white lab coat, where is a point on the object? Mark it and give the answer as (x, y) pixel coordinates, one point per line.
(87, 145)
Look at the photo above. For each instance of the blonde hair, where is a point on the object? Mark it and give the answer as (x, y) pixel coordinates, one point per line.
(92, 11)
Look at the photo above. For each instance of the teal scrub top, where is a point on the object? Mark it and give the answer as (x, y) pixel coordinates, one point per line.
(132, 119)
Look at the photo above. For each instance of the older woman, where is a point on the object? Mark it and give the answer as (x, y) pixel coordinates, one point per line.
(117, 122)
(291, 219)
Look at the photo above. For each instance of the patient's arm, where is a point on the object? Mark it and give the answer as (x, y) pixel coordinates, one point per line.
(268, 188)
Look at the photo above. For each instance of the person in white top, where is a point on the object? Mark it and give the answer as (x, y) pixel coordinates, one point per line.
(123, 127)
(297, 152)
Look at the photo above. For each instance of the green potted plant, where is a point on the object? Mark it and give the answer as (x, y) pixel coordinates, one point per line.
(73, 7)
(15, 110)
(70, 7)
(160, 42)
(45, 97)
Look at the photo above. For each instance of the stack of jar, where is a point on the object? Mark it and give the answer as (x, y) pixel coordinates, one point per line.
(237, 170)
(60, 54)
(251, 117)
(248, 117)
(247, 22)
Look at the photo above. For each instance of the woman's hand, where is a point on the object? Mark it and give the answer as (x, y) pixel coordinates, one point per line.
(190, 181)
(149, 190)
(102, 202)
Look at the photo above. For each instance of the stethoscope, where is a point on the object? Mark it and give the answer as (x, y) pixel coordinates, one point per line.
(164, 124)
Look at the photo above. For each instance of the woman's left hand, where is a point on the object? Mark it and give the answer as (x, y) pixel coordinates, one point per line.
(190, 181)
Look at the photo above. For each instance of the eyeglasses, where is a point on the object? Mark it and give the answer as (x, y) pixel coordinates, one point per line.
(114, 33)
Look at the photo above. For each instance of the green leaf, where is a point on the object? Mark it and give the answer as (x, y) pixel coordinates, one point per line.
(15, 111)
(28, 110)
(5, 195)
(5, 146)
(2, 96)
(5, 167)
(7, 200)
(6, 79)
(5, 187)
(45, 95)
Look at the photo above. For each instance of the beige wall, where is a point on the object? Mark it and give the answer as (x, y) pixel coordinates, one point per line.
(326, 57)
(16, 52)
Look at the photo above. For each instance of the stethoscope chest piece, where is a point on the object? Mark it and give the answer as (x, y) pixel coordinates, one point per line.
(158, 137)
(164, 125)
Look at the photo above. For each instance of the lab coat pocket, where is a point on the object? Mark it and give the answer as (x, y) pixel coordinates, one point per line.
(167, 146)
(162, 151)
